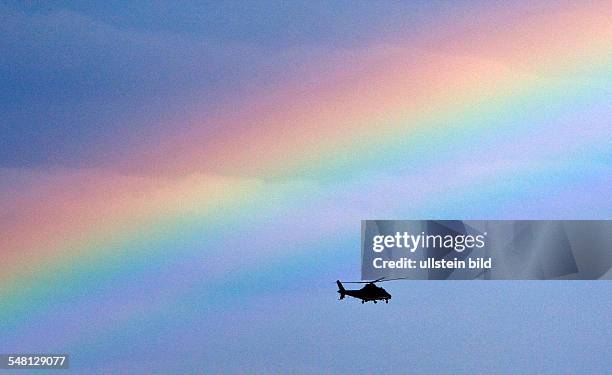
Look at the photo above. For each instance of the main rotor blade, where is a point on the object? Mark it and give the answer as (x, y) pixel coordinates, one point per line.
(395, 278)
(364, 281)
(379, 280)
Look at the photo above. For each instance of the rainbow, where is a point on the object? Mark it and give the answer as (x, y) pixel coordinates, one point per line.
(487, 113)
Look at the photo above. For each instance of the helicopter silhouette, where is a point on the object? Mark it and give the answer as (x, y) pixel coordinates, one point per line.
(369, 292)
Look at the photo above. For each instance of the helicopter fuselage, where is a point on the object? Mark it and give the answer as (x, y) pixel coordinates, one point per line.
(369, 292)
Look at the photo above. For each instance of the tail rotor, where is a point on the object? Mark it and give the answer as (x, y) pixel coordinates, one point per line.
(341, 289)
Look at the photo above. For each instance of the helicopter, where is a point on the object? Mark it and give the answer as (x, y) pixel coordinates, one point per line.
(369, 292)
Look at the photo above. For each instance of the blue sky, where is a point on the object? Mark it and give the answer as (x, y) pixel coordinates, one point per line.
(78, 78)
